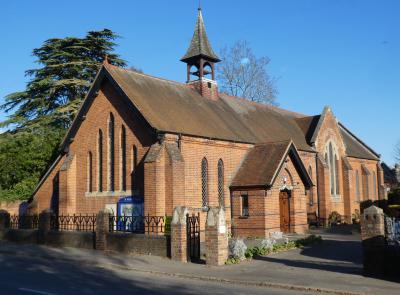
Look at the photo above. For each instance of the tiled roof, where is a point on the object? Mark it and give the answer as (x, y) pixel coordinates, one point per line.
(354, 146)
(256, 173)
(173, 107)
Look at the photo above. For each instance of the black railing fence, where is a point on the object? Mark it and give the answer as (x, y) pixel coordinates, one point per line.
(74, 222)
(24, 221)
(87, 222)
(140, 224)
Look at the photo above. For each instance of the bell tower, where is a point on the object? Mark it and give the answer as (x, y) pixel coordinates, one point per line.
(201, 59)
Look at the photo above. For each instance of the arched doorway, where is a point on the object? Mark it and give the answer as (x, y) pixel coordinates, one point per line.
(284, 210)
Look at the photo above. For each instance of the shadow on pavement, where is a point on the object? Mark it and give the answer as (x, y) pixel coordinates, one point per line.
(332, 255)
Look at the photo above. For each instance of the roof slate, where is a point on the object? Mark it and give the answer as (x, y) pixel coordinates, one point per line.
(354, 147)
(173, 107)
(257, 172)
(263, 162)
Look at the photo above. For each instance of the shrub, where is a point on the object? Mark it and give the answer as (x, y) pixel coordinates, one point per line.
(237, 249)
(268, 243)
(334, 218)
(394, 197)
(268, 246)
(356, 216)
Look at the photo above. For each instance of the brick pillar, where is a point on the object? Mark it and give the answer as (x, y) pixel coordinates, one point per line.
(179, 235)
(102, 229)
(44, 225)
(373, 240)
(216, 237)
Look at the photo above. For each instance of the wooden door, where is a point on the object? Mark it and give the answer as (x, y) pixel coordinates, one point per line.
(284, 207)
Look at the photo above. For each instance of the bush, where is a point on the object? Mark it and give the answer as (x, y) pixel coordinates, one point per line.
(267, 246)
(268, 243)
(394, 197)
(334, 218)
(237, 249)
(356, 216)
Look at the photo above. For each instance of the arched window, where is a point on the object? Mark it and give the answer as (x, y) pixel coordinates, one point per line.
(332, 169)
(90, 172)
(123, 158)
(310, 192)
(331, 159)
(134, 163)
(134, 158)
(111, 153)
(366, 184)
(374, 181)
(221, 200)
(337, 174)
(358, 185)
(100, 161)
(204, 182)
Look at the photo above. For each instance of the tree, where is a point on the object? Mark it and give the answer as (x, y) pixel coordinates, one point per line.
(24, 156)
(53, 95)
(45, 109)
(397, 152)
(242, 74)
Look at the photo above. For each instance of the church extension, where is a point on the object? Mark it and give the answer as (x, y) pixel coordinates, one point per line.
(185, 144)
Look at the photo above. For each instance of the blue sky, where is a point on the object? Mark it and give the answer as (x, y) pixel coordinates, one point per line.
(342, 53)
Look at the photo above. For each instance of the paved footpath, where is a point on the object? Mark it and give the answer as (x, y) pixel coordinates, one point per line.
(332, 267)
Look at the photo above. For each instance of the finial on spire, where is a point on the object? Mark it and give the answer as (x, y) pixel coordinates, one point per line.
(199, 5)
(105, 61)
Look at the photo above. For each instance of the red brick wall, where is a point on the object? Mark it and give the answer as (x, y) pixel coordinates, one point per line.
(168, 181)
(264, 206)
(79, 200)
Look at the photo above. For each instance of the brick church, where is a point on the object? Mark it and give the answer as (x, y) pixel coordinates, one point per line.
(174, 144)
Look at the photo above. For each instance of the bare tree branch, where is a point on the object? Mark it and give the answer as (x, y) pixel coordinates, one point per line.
(397, 152)
(242, 74)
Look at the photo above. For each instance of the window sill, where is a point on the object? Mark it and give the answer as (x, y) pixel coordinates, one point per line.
(336, 198)
(109, 194)
(244, 217)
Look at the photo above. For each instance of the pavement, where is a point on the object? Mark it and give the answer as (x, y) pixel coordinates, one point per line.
(334, 267)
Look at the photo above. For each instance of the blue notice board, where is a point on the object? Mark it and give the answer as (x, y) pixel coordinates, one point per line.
(130, 211)
(130, 206)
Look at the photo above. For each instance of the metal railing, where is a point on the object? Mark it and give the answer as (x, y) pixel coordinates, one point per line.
(140, 224)
(24, 221)
(74, 222)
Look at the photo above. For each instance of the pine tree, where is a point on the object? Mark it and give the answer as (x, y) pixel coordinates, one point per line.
(42, 112)
(69, 66)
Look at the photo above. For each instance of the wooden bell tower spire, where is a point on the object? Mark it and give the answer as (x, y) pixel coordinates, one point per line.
(200, 54)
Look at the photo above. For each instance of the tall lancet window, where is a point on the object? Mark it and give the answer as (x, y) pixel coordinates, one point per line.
(221, 199)
(358, 192)
(337, 174)
(123, 158)
(90, 172)
(100, 161)
(310, 192)
(204, 182)
(332, 160)
(134, 163)
(111, 176)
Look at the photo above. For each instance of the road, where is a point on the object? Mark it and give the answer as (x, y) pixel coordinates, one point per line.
(26, 275)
